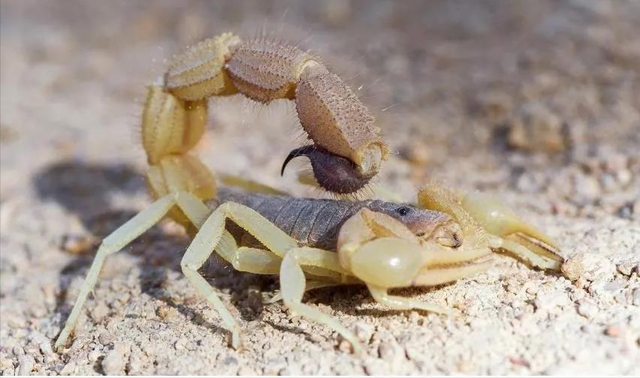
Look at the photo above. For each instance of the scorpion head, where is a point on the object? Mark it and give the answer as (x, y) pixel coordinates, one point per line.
(427, 225)
(332, 172)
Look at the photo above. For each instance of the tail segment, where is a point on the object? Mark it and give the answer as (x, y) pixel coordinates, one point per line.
(170, 128)
(175, 118)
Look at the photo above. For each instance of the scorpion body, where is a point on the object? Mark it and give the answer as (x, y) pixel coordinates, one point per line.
(307, 242)
(317, 222)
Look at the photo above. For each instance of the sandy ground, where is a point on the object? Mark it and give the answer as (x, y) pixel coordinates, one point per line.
(536, 102)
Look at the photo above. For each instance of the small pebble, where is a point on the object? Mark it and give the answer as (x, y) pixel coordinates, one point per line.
(181, 343)
(363, 331)
(94, 355)
(613, 286)
(136, 364)
(345, 346)
(615, 162)
(113, 363)
(274, 365)
(588, 266)
(391, 352)
(99, 312)
(519, 361)
(230, 361)
(78, 244)
(26, 363)
(124, 298)
(587, 309)
(104, 338)
(587, 187)
(627, 267)
(68, 369)
(536, 128)
(166, 313)
(247, 371)
(613, 331)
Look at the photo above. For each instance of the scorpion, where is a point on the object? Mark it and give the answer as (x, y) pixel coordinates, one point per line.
(310, 243)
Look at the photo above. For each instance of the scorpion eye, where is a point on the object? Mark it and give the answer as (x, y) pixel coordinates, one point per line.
(403, 211)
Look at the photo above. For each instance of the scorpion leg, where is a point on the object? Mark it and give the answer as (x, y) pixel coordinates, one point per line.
(261, 261)
(209, 239)
(316, 262)
(311, 285)
(124, 235)
(292, 287)
(212, 237)
(503, 229)
(400, 303)
(245, 259)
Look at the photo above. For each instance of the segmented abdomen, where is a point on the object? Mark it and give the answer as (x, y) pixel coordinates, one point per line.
(311, 222)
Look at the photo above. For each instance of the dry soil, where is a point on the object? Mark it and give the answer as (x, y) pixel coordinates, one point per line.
(535, 102)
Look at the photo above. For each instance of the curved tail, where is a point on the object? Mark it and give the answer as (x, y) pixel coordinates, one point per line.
(343, 131)
(175, 118)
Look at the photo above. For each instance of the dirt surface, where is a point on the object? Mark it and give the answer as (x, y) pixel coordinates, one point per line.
(535, 102)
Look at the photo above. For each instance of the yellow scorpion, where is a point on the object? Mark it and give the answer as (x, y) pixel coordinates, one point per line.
(309, 243)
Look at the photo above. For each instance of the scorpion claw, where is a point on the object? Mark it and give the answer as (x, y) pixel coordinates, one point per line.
(492, 223)
(381, 251)
(511, 234)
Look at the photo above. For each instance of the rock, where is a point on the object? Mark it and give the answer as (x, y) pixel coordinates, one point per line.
(274, 365)
(94, 355)
(587, 309)
(181, 343)
(104, 338)
(68, 369)
(113, 363)
(99, 312)
(78, 244)
(363, 331)
(551, 300)
(613, 331)
(588, 266)
(628, 267)
(25, 366)
(535, 128)
(247, 371)
(392, 353)
(587, 187)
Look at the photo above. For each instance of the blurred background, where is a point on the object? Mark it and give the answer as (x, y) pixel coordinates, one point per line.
(537, 102)
(515, 91)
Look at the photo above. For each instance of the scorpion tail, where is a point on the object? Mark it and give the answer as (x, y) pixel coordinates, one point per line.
(175, 118)
(170, 128)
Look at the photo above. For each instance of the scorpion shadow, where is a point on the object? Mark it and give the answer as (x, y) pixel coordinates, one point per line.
(87, 191)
